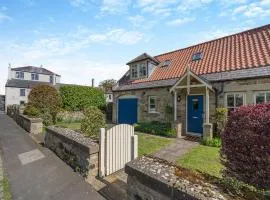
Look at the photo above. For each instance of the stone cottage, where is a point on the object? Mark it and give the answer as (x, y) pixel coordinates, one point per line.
(192, 82)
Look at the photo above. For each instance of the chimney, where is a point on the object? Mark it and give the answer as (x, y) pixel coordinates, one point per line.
(93, 82)
(9, 71)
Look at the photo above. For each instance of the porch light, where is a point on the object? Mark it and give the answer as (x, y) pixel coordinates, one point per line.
(178, 98)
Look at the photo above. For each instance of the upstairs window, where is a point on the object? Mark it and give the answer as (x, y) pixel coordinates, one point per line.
(134, 71)
(197, 56)
(262, 97)
(34, 77)
(143, 71)
(19, 75)
(166, 63)
(51, 79)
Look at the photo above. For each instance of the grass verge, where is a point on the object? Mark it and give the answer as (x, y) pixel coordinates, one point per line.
(204, 159)
(6, 189)
(149, 143)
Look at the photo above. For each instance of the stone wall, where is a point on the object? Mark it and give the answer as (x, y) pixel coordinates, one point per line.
(79, 152)
(152, 178)
(31, 125)
(164, 97)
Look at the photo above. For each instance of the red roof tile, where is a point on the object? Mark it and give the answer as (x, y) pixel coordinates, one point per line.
(248, 49)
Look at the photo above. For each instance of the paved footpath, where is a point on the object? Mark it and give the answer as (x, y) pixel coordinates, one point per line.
(36, 173)
(176, 150)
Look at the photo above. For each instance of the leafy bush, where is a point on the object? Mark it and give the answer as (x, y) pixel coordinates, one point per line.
(215, 142)
(245, 145)
(221, 120)
(46, 99)
(94, 120)
(47, 118)
(77, 98)
(31, 111)
(156, 128)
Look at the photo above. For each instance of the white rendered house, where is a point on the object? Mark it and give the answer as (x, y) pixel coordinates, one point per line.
(22, 79)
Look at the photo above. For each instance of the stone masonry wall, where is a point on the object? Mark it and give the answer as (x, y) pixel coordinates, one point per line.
(163, 96)
(155, 179)
(81, 153)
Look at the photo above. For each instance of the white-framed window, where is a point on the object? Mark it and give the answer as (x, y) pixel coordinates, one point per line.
(19, 75)
(134, 71)
(143, 71)
(261, 97)
(234, 100)
(22, 92)
(152, 104)
(34, 77)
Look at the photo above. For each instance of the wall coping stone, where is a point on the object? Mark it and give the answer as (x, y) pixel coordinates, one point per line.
(77, 138)
(31, 119)
(160, 176)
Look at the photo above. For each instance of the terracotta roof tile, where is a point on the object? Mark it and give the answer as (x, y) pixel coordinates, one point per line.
(248, 49)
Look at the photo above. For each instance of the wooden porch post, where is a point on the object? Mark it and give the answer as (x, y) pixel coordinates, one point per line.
(175, 105)
(207, 106)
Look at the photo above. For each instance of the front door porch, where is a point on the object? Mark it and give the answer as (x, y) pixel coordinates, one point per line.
(192, 98)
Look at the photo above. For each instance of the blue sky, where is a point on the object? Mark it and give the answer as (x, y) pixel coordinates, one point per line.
(84, 39)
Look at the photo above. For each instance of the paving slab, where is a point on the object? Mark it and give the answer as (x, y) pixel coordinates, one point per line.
(35, 172)
(176, 150)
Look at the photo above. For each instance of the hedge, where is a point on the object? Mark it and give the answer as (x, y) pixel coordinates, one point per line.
(77, 98)
(156, 128)
(245, 149)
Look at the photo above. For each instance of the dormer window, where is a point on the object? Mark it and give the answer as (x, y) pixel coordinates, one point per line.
(19, 75)
(143, 72)
(134, 71)
(34, 77)
(166, 63)
(197, 56)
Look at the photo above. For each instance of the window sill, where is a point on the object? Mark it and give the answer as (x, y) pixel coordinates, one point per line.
(153, 112)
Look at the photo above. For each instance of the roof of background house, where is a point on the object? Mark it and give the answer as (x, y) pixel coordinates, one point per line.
(32, 69)
(234, 53)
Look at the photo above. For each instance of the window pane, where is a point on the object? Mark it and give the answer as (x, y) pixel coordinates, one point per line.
(195, 104)
(152, 103)
(230, 100)
(239, 100)
(260, 98)
(268, 97)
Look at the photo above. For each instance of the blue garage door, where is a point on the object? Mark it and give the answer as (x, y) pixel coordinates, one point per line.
(127, 111)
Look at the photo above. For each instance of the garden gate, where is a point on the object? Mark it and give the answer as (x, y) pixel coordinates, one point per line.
(118, 146)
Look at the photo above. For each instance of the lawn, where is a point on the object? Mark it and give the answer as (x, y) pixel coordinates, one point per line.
(149, 143)
(204, 159)
(72, 125)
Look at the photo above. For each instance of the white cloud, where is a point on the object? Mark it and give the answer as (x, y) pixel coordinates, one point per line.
(188, 5)
(82, 4)
(180, 21)
(136, 20)
(157, 7)
(109, 7)
(4, 17)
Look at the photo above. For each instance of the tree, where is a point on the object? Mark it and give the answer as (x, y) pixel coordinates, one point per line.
(46, 99)
(107, 85)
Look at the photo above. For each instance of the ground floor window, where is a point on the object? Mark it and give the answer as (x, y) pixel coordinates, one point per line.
(261, 97)
(152, 104)
(234, 100)
(22, 103)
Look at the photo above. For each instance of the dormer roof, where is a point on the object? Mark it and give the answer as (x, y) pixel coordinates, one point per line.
(142, 57)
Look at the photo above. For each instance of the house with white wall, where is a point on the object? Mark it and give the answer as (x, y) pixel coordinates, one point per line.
(22, 79)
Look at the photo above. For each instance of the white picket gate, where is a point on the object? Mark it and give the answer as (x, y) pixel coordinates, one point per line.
(118, 146)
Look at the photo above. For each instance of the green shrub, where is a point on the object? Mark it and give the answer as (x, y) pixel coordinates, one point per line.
(215, 142)
(221, 120)
(77, 98)
(93, 120)
(47, 118)
(69, 116)
(31, 111)
(46, 99)
(156, 128)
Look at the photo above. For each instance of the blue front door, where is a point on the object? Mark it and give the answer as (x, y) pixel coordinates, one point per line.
(127, 111)
(195, 114)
